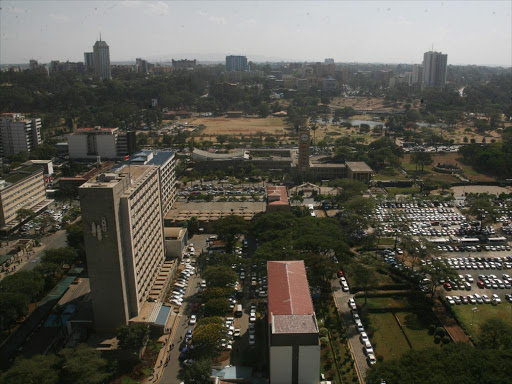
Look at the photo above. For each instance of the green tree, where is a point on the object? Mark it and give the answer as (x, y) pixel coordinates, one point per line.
(421, 159)
(228, 229)
(192, 226)
(364, 276)
(216, 307)
(215, 292)
(22, 214)
(263, 110)
(75, 238)
(13, 305)
(199, 372)
(495, 333)
(28, 283)
(37, 370)
(345, 112)
(220, 276)
(436, 271)
(133, 337)
(83, 365)
(60, 256)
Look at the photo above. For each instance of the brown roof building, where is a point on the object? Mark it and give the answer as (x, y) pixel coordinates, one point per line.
(293, 330)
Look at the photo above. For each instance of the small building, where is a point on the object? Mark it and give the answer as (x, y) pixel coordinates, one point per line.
(277, 198)
(294, 348)
(359, 170)
(176, 239)
(234, 114)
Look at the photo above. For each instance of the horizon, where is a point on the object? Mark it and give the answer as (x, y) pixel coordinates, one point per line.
(279, 31)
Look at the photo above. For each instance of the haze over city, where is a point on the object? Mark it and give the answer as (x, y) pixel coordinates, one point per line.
(393, 32)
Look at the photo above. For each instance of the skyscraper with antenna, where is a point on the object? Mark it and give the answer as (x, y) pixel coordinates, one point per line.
(434, 69)
(102, 60)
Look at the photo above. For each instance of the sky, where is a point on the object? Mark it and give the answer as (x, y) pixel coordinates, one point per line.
(477, 32)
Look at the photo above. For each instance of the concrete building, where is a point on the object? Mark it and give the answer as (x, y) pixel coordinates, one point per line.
(328, 61)
(143, 66)
(32, 64)
(22, 187)
(102, 60)
(329, 84)
(434, 69)
(183, 64)
(176, 239)
(18, 134)
(124, 241)
(417, 74)
(304, 143)
(403, 78)
(68, 66)
(108, 143)
(89, 60)
(166, 162)
(294, 348)
(302, 85)
(237, 63)
(359, 170)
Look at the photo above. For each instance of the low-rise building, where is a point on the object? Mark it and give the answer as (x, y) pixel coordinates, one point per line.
(294, 348)
(107, 143)
(18, 134)
(277, 198)
(176, 239)
(359, 170)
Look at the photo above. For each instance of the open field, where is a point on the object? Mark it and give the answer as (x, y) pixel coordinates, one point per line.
(359, 102)
(241, 126)
(415, 326)
(485, 312)
(447, 158)
(388, 340)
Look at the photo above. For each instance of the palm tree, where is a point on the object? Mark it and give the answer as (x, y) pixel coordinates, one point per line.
(314, 127)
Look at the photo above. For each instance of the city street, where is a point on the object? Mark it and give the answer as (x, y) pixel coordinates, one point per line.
(55, 240)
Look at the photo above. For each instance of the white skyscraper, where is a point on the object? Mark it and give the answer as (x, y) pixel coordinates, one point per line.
(434, 69)
(102, 60)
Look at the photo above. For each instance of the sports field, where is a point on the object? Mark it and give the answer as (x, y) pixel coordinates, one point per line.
(241, 126)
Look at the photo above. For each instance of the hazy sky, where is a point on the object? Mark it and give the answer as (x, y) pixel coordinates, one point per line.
(367, 31)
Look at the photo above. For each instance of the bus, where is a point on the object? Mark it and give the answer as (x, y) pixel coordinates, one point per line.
(497, 240)
(469, 241)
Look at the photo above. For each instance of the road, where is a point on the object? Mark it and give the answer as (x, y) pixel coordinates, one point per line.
(352, 335)
(55, 240)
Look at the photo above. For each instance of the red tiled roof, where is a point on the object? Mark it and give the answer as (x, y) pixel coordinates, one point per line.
(288, 289)
(277, 191)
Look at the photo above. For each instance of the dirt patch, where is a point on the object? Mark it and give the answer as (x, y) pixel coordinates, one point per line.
(241, 126)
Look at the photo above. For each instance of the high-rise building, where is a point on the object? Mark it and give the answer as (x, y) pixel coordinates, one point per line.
(89, 60)
(434, 69)
(108, 143)
(124, 241)
(328, 61)
(32, 64)
(236, 63)
(18, 134)
(102, 60)
(417, 74)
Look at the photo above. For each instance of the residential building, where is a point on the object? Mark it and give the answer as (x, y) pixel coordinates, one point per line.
(89, 60)
(383, 75)
(341, 75)
(417, 74)
(18, 134)
(124, 241)
(142, 66)
(22, 187)
(107, 143)
(403, 78)
(329, 84)
(434, 69)
(32, 64)
(184, 64)
(294, 348)
(302, 85)
(328, 61)
(236, 63)
(102, 60)
(57, 66)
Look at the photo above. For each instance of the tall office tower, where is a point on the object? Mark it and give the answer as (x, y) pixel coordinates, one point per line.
(304, 140)
(89, 60)
(236, 63)
(417, 74)
(32, 64)
(18, 134)
(102, 60)
(434, 69)
(124, 241)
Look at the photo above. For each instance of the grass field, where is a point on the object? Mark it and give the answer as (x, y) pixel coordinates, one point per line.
(241, 126)
(485, 312)
(383, 302)
(387, 339)
(415, 326)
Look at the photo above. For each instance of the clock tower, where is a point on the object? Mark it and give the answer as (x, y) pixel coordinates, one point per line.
(304, 140)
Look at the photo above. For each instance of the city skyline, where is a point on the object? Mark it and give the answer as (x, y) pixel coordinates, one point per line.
(210, 31)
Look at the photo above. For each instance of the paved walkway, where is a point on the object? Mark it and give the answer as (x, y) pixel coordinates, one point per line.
(356, 348)
(451, 326)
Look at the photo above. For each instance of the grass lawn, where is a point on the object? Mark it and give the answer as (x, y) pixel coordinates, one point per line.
(390, 174)
(387, 338)
(383, 302)
(403, 191)
(485, 312)
(415, 326)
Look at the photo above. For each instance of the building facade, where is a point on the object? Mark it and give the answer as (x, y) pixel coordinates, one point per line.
(21, 188)
(417, 74)
(18, 134)
(124, 241)
(304, 141)
(434, 69)
(236, 63)
(294, 348)
(89, 60)
(184, 64)
(107, 143)
(102, 60)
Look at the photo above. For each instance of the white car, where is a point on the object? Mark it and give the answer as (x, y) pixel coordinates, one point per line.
(252, 318)
(496, 299)
(352, 304)
(364, 337)
(345, 288)
(359, 327)
(237, 333)
(203, 284)
(193, 320)
(371, 359)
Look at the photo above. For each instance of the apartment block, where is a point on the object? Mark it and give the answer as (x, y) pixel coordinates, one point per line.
(124, 241)
(22, 187)
(18, 134)
(108, 143)
(434, 69)
(236, 63)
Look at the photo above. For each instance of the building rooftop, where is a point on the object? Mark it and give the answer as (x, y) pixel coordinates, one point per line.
(94, 129)
(288, 289)
(147, 158)
(277, 195)
(20, 173)
(294, 324)
(174, 232)
(220, 156)
(358, 166)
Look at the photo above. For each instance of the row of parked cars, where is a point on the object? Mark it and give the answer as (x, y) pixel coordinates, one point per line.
(474, 299)
(367, 346)
(180, 285)
(474, 263)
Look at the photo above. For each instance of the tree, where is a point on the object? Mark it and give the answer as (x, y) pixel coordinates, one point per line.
(412, 115)
(38, 369)
(482, 209)
(215, 292)
(314, 127)
(345, 112)
(220, 276)
(199, 372)
(75, 238)
(60, 256)
(364, 276)
(228, 229)
(210, 320)
(495, 333)
(216, 307)
(83, 365)
(221, 139)
(133, 337)
(13, 305)
(263, 110)
(421, 159)
(22, 214)
(28, 283)
(192, 226)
